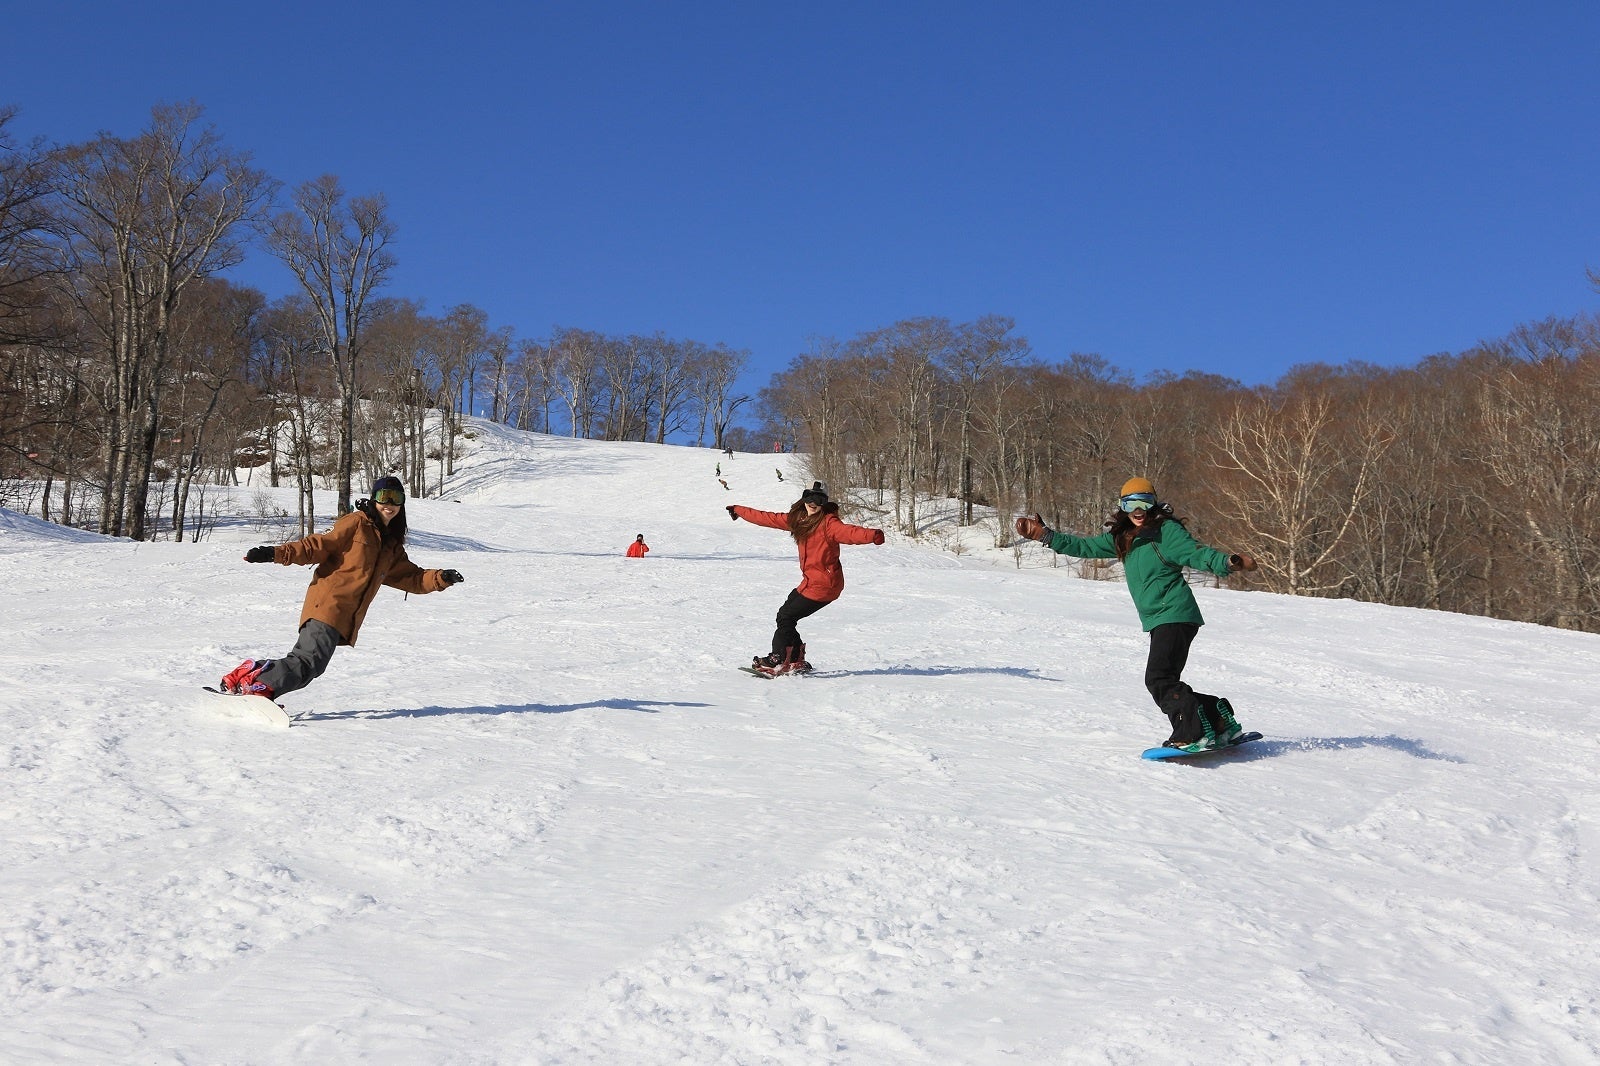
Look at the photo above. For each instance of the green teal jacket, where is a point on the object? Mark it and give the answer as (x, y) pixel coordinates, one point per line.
(1153, 568)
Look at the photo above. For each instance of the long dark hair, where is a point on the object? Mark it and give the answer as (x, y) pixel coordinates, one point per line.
(1123, 530)
(390, 532)
(802, 523)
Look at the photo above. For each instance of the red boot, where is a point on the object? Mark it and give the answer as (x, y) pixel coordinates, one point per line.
(245, 679)
(234, 678)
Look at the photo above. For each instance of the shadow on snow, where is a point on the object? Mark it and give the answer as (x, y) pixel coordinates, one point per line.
(643, 706)
(908, 670)
(1271, 749)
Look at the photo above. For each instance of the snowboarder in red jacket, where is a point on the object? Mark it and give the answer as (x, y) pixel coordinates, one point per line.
(637, 549)
(818, 531)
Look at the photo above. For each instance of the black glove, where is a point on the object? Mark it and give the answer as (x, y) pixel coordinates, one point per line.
(451, 577)
(263, 554)
(732, 513)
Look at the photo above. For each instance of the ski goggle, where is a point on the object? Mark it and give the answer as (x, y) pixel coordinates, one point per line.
(390, 497)
(1137, 501)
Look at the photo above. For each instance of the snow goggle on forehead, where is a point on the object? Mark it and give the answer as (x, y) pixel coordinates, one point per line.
(391, 497)
(1137, 501)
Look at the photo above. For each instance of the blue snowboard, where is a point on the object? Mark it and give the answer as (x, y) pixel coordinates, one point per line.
(1179, 753)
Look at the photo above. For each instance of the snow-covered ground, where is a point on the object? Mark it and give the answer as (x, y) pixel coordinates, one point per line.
(540, 817)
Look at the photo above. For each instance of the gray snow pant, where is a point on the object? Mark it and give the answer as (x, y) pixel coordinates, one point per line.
(305, 661)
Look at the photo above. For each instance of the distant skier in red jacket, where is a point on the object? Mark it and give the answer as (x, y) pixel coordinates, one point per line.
(815, 525)
(637, 549)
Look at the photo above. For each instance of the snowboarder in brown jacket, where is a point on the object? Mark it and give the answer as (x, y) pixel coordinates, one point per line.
(364, 550)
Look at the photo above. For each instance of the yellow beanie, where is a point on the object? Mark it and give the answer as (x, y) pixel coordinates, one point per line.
(1137, 484)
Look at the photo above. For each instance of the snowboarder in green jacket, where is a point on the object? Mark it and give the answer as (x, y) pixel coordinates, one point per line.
(1154, 547)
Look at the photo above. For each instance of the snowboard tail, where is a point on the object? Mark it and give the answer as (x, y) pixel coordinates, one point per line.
(1179, 753)
(250, 708)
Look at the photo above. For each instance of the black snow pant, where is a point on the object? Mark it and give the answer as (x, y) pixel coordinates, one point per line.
(1163, 677)
(305, 661)
(786, 643)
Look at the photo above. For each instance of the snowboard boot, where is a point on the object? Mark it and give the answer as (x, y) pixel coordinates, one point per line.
(771, 665)
(245, 679)
(1192, 730)
(792, 661)
(233, 678)
(254, 687)
(1226, 726)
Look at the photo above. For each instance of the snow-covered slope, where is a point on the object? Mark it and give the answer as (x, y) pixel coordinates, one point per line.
(540, 817)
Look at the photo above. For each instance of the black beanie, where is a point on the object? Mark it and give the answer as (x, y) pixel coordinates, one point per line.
(815, 494)
(388, 482)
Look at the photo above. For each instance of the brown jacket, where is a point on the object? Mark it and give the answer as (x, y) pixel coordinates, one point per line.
(352, 561)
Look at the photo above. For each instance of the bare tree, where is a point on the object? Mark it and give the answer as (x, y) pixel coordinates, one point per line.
(338, 250)
(535, 384)
(1002, 405)
(981, 350)
(1092, 443)
(146, 217)
(26, 226)
(404, 348)
(501, 348)
(814, 394)
(912, 352)
(672, 365)
(463, 336)
(220, 326)
(1543, 446)
(294, 353)
(1293, 482)
(48, 423)
(626, 374)
(1171, 424)
(1420, 537)
(716, 371)
(577, 354)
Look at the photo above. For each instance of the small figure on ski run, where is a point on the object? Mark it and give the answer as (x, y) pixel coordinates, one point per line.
(364, 549)
(1154, 546)
(817, 530)
(637, 549)
(780, 473)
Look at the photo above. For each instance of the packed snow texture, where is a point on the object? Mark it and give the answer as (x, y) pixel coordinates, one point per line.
(541, 817)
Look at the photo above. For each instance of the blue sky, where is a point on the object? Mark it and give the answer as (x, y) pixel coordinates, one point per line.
(1234, 188)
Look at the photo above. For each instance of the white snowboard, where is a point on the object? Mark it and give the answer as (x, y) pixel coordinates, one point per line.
(250, 708)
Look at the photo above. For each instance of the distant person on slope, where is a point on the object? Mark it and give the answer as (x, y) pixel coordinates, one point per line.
(364, 549)
(817, 530)
(1154, 546)
(637, 549)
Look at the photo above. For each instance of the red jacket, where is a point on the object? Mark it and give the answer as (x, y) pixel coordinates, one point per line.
(822, 578)
(637, 549)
